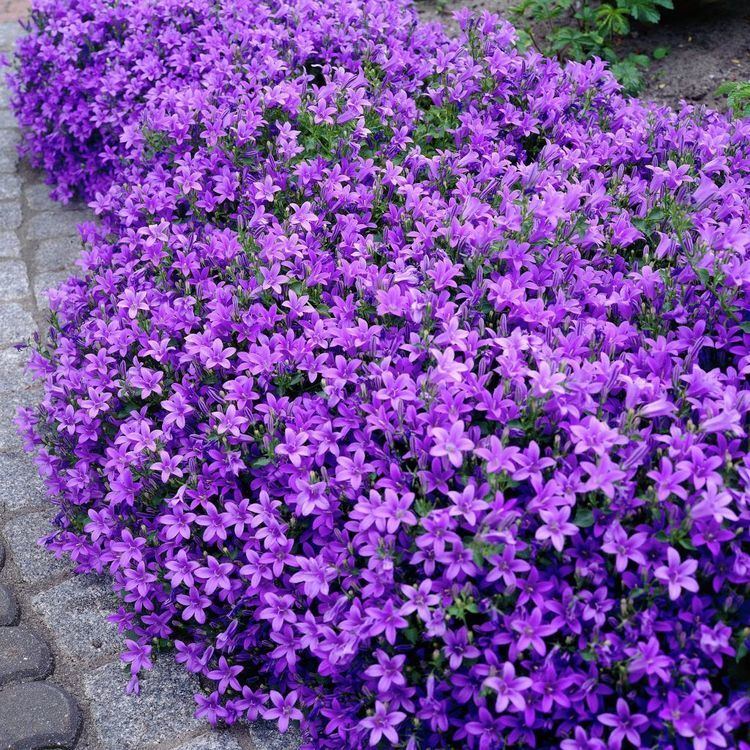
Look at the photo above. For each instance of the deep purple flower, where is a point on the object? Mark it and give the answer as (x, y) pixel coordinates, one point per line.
(388, 670)
(137, 655)
(509, 688)
(677, 575)
(704, 730)
(383, 723)
(556, 527)
(451, 443)
(624, 725)
(283, 709)
(400, 372)
(581, 741)
(625, 548)
(531, 631)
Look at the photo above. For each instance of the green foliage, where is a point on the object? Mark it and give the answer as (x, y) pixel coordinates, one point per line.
(738, 97)
(580, 29)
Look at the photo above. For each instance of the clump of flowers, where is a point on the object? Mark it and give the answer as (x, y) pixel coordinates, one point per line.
(404, 393)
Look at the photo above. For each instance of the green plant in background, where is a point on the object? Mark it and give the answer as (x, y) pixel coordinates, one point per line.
(738, 97)
(579, 29)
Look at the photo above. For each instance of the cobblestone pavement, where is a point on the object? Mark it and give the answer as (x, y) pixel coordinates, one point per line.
(10, 10)
(61, 683)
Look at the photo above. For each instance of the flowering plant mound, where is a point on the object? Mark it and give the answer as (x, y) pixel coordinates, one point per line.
(405, 390)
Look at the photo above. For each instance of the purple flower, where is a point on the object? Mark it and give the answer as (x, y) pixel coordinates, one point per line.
(648, 660)
(624, 725)
(419, 600)
(294, 446)
(451, 443)
(703, 729)
(457, 647)
(677, 575)
(393, 360)
(602, 475)
(509, 688)
(215, 575)
(278, 610)
(383, 723)
(226, 675)
(581, 741)
(251, 704)
(531, 631)
(388, 670)
(137, 655)
(386, 620)
(624, 548)
(210, 708)
(283, 709)
(556, 526)
(195, 605)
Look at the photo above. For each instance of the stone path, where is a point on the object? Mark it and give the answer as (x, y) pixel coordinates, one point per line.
(61, 682)
(11, 10)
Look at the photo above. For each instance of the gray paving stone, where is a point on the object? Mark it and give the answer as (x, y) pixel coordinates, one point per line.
(9, 153)
(14, 375)
(22, 535)
(23, 655)
(14, 283)
(45, 281)
(9, 32)
(8, 161)
(7, 119)
(163, 710)
(212, 741)
(265, 735)
(2, 554)
(10, 439)
(37, 715)
(21, 487)
(55, 224)
(37, 195)
(59, 254)
(9, 139)
(36, 191)
(16, 324)
(76, 612)
(10, 185)
(10, 213)
(8, 607)
(10, 443)
(10, 247)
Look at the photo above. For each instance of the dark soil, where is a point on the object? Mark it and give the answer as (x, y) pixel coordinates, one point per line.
(709, 44)
(708, 41)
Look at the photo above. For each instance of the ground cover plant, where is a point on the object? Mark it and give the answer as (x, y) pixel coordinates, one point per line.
(738, 97)
(581, 29)
(404, 391)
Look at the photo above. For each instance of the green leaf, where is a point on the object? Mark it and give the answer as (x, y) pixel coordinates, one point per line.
(588, 654)
(584, 518)
(412, 635)
(628, 72)
(738, 97)
(741, 651)
(660, 53)
(646, 11)
(612, 21)
(686, 543)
